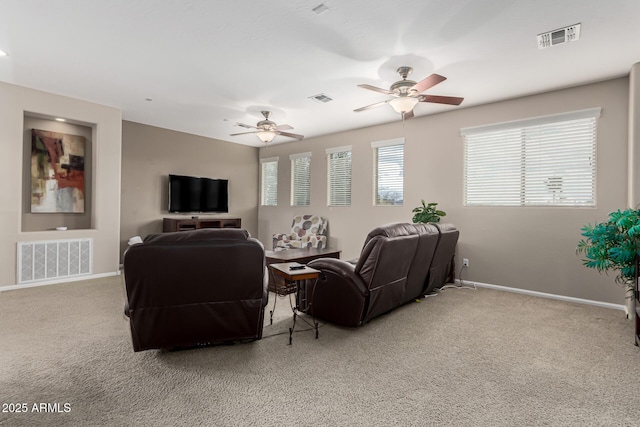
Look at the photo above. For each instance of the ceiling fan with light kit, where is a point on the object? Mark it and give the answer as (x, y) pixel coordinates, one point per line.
(266, 130)
(407, 93)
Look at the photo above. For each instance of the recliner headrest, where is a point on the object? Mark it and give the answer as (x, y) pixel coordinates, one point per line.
(445, 227)
(395, 229)
(426, 228)
(203, 234)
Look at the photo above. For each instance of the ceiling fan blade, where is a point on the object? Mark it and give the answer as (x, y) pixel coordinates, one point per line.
(368, 107)
(376, 89)
(428, 82)
(290, 135)
(283, 127)
(451, 100)
(241, 133)
(246, 126)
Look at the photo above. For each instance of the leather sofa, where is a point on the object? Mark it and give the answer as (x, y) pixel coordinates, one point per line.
(398, 263)
(195, 287)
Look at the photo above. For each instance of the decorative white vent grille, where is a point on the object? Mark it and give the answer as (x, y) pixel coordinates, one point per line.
(320, 9)
(321, 98)
(53, 259)
(559, 36)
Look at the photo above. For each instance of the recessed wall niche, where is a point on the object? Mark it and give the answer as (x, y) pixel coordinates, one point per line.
(57, 183)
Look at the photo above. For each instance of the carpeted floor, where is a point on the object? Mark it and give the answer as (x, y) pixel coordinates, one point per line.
(463, 358)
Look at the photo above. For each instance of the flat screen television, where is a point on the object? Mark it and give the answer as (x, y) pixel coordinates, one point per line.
(196, 194)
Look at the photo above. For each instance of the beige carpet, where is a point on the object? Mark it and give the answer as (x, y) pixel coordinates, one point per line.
(463, 358)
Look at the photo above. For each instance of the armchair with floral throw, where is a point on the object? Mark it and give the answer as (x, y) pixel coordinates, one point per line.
(307, 231)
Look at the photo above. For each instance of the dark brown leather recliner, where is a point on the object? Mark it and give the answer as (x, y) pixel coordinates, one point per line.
(394, 267)
(422, 262)
(441, 265)
(195, 287)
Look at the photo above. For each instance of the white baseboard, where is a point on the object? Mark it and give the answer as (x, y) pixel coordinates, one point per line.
(546, 295)
(58, 281)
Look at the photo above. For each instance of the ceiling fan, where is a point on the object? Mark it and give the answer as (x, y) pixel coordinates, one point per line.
(267, 130)
(407, 93)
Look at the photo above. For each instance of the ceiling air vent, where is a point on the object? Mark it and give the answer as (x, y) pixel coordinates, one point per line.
(560, 36)
(320, 9)
(322, 98)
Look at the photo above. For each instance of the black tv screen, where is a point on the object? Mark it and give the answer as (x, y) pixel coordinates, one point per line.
(196, 194)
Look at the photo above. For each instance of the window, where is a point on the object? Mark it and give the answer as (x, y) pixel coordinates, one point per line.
(543, 161)
(300, 179)
(388, 170)
(269, 175)
(339, 176)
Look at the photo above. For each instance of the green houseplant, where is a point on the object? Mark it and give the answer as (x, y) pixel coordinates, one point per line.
(613, 245)
(427, 213)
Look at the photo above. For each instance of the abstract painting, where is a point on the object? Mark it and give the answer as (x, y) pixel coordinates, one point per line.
(57, 172)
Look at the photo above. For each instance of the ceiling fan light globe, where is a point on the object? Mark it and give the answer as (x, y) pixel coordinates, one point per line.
(266, 136)
(403, 104)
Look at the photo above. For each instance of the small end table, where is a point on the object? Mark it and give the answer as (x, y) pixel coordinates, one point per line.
(295, 275)
(303, 256)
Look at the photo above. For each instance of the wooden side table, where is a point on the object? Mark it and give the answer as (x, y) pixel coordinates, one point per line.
(303, 256)
(295, 275)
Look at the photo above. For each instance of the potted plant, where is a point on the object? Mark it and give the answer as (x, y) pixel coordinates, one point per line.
(427, 213)
(613, 245)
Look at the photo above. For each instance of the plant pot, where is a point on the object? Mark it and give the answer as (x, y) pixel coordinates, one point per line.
(629, 304)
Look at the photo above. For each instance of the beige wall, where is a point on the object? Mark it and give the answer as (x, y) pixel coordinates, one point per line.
(633, 195)
(527, 248)
(106, 123)
(150, 154)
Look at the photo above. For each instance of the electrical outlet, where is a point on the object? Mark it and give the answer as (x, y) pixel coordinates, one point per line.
(465, 262)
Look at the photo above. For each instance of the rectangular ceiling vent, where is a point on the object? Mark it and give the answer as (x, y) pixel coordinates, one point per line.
(560, 36)
(320, 9)
(322, 98)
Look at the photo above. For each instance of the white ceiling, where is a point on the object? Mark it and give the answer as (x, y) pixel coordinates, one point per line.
(208, 64)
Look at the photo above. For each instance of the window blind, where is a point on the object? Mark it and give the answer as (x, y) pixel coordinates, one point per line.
(388, 167)
(546, 161)
(269, 188)
(339, 176)
(300, 179)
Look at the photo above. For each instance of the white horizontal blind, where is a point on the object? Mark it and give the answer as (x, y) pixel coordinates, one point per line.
(388, 167)
(339, 176)
(269, 188)
(538, 162)
(300, 179)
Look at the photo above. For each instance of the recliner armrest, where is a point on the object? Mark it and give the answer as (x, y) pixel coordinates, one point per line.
(340, 270)
(340, 295)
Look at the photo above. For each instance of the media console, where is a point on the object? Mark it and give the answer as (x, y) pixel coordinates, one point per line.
(178, 224)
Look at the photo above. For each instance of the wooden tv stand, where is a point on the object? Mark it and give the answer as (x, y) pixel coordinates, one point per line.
(178, 224)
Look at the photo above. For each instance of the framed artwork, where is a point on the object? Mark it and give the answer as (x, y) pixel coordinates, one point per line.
(57, 172)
